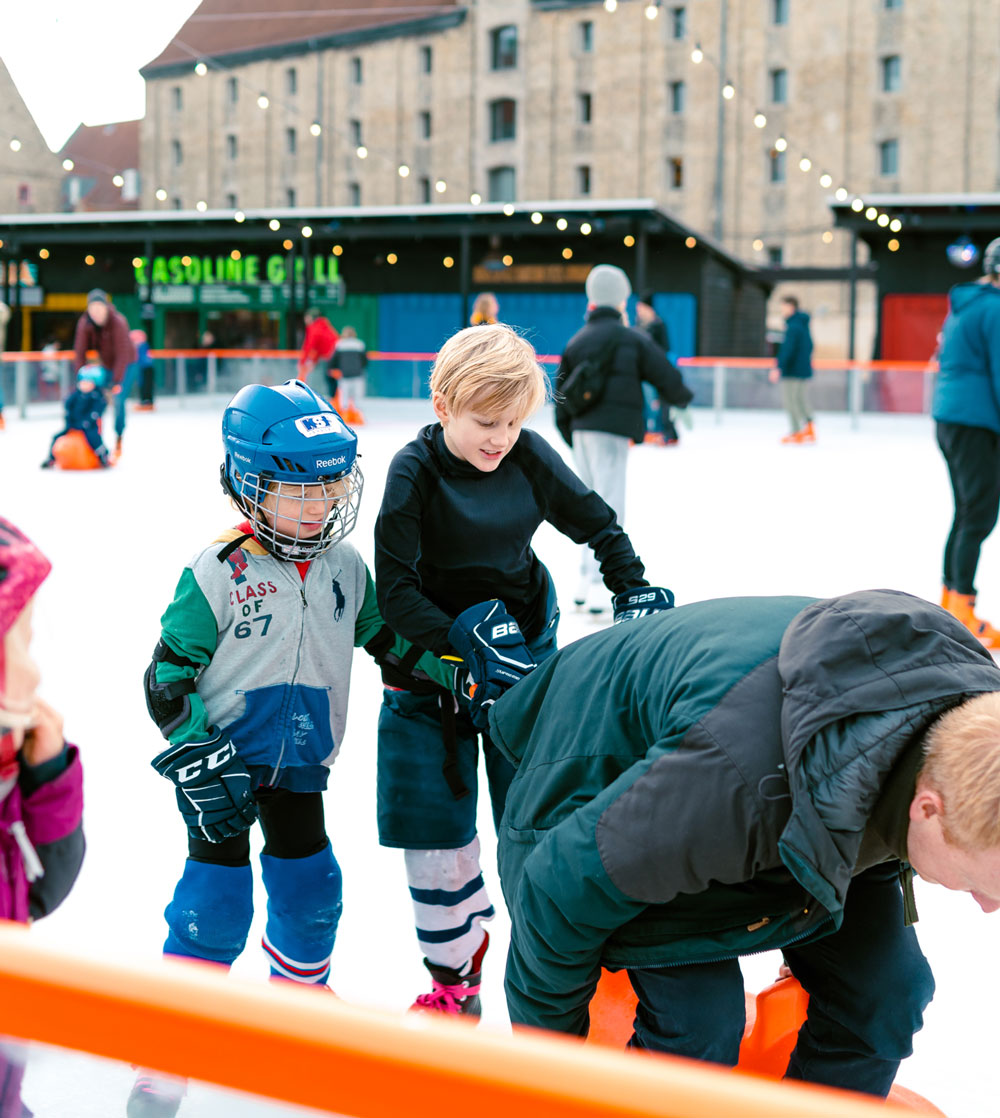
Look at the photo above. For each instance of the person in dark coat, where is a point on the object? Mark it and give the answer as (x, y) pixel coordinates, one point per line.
(794, 369)
(966, 410)
(741, 775)
(601, 435)
(105, 330)
(660, 426)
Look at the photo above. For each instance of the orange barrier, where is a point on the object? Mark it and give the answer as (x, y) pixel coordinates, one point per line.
(308, 1048)
(774, 1018)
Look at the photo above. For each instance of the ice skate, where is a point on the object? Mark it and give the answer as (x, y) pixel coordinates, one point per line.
(455, 992)
(807, 434)
(580, 594)
(155, 1096)
(352, 416)
(963, 607)
(117, 452)
(793, 437)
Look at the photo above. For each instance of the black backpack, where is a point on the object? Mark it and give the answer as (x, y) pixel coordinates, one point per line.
(585, 383)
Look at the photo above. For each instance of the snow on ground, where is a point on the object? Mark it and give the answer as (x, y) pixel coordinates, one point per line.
(728, 512)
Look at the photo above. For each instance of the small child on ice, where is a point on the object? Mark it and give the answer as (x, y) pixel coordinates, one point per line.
(249, 685)
(84, 408)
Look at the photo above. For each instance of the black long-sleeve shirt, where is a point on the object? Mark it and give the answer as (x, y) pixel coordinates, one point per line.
(449, 535)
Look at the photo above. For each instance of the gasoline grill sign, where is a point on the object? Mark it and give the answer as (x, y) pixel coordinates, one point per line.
(193, 271)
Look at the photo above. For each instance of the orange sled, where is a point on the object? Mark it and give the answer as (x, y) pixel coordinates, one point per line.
(774, 1018)
(72, 452)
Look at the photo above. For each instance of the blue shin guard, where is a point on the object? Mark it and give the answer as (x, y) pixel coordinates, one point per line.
(209, 917)
(304, 901)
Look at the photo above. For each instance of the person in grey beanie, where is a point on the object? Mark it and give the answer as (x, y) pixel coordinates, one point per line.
(614, 361)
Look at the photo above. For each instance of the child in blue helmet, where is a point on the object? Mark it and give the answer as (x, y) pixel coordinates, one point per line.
(84, 408)
(249, 685)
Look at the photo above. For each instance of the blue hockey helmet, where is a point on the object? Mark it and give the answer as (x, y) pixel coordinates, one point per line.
(91, 372)
(291, 466)
(991, 257)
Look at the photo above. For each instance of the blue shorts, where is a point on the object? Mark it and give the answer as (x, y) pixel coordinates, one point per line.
(417, 806)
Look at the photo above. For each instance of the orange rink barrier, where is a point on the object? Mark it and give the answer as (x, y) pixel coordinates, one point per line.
(308, 1048)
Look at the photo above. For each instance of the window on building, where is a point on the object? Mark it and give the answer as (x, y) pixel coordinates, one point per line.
(678, 93)
(176, 152)
(231, 201)
(232, 146)
(290, 196)
(425, 190)
(779, 11)
(888, 157)
(424, 125)
(776, 166)
(678, 22)
(892, 73)
(891, 5)
(501, 183)
(583, 180)
(779, 86)
(584, 107)
(291, 141)
(675, 172)
(354, 193)
(177, 204)
(291, 81)
(426, 59)
(357, 70)
(232, 90)
(585, 35)
(503, 47)
(775, 254)
(177, 98)
(356, 133)
(503, 119)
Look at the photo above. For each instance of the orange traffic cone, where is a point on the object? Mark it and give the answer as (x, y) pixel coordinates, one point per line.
(352, 416)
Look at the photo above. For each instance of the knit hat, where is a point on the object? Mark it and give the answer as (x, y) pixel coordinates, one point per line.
(607, 286)
(97, 296)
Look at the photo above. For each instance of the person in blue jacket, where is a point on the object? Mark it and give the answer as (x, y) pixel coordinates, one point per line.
(794, 367)
(84, 408)
(966, 410)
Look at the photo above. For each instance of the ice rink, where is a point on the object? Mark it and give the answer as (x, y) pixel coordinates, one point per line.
(728, 512)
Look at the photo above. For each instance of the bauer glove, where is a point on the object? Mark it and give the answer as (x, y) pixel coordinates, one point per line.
(642, 601)
(213, 787)
(489, 641)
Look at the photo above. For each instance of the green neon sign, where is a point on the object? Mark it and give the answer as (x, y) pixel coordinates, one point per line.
(196, 270)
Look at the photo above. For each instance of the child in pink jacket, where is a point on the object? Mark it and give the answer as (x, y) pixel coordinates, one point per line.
(41, 781)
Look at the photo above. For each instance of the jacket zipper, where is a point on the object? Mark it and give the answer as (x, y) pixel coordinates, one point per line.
(295, 671)
(33, 868)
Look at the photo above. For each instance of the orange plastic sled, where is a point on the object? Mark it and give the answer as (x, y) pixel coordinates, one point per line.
(72, 452)
(774, 1018)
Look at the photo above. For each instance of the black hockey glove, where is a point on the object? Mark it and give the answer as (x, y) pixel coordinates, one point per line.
(631, 604)
(213, 787)
(489, 641)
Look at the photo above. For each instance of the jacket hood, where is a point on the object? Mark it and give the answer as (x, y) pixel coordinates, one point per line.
(963, 294)
(863, 675)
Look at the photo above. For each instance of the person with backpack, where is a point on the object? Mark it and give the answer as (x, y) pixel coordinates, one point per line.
(600, 406)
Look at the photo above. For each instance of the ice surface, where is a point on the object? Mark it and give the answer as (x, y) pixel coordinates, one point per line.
(729, 511)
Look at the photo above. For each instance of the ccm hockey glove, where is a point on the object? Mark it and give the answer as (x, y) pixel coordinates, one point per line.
(631, 604)
(213, 787)
(489, 641)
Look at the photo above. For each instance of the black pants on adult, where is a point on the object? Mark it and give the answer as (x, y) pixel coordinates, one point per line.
(973, 457)
(868, 985)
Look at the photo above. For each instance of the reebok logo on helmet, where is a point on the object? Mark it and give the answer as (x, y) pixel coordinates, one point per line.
(322, 463)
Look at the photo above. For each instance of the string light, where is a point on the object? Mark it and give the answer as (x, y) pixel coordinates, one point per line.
(758, 245)
(449, 262)
(201, 206)
(840, 194)
(508, 210)
(893, 245)
(610, 5)
(586, 229)
(236, 254)
(391, 258)
(286, 244)
(780, 144)
(88, 260)
(338, 250)
(68, 164)
(402, 170)
(562, 224)
(883, 220)
(201, 69)
(263, 101)
(43, 254)
(536, 218)
(507, 260)
(697, 54)
(759, 120)
(361, 152)
(825, 180)
(475, 198)
(653, 10)
(15, 144)
(871, 213)
(895, 225)
(161, 195)
(274, 225)
(307, 231)
(628, 240)
(827, 236)
(239, 217)
(805, 163)
(440, 186)
(316, 128)
(118, 181)
(729, 91)
(567, 254)
(690, 242)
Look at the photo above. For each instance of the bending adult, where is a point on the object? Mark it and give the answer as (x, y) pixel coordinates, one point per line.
(106, 330)
(740, 775)
(966, 410)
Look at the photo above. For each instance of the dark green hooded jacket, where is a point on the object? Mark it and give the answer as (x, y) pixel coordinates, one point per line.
(696, 785)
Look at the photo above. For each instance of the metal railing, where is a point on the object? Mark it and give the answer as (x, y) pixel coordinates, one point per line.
(718, 383)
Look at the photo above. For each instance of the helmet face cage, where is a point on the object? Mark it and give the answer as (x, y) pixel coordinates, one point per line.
(299, 520)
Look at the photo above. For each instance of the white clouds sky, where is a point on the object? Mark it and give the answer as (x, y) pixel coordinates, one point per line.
(77, 61)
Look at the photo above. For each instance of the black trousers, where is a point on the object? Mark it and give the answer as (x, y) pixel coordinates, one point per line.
(292, 823)
(973, 458)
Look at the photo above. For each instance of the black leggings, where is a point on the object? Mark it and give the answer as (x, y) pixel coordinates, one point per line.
(973, 457)
(292, 823)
